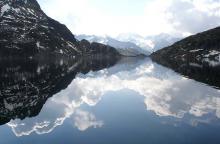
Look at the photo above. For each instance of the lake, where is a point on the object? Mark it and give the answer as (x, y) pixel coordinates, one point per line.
(103, 101)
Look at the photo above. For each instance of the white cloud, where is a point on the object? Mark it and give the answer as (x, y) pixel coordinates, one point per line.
(170, 16)
(192, 16)
(183, 16)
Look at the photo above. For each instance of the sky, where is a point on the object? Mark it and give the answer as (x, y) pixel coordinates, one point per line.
(143, 17)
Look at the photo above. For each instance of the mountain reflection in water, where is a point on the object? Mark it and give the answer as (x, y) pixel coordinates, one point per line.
(27, 84)
(100, 93)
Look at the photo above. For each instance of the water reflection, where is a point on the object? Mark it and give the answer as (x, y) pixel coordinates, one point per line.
(74, 85)
(27, 84)
(165, 93)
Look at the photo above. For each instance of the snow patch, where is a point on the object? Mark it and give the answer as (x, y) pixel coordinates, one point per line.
(39, 69)
(39, 46)
(17, 10)
(8, 106)
(212, 63)
(61, 62)
(195, 65)
(31, 12)
(46, 27)
(212, 58)
(212, 53)
(4, 9)
(196, 50)
(71, 45)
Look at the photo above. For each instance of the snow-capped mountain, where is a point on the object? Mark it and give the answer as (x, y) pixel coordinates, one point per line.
(133, 44)
(162, 40)
(27, 31)
(124, 48)
(150, 43)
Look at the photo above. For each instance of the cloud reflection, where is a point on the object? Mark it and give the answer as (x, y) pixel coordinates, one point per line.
(165, 93)
(83, 120)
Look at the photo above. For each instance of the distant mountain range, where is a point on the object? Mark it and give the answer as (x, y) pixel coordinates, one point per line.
(132, 44)
(124, 48)
(150, 43)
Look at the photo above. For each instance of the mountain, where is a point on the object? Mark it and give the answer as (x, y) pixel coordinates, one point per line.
(27, 31)
(149, 43)
(124, 48)
(197, 56)
(26, 84)
(96, 49)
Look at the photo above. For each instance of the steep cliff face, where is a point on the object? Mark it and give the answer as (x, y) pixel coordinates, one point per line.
(27, 31)
(197, 56)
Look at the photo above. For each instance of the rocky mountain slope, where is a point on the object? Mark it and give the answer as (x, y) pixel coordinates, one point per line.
(197, 56)
(27, 31)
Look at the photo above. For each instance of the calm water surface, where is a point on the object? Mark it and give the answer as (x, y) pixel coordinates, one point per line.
(132, 101)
